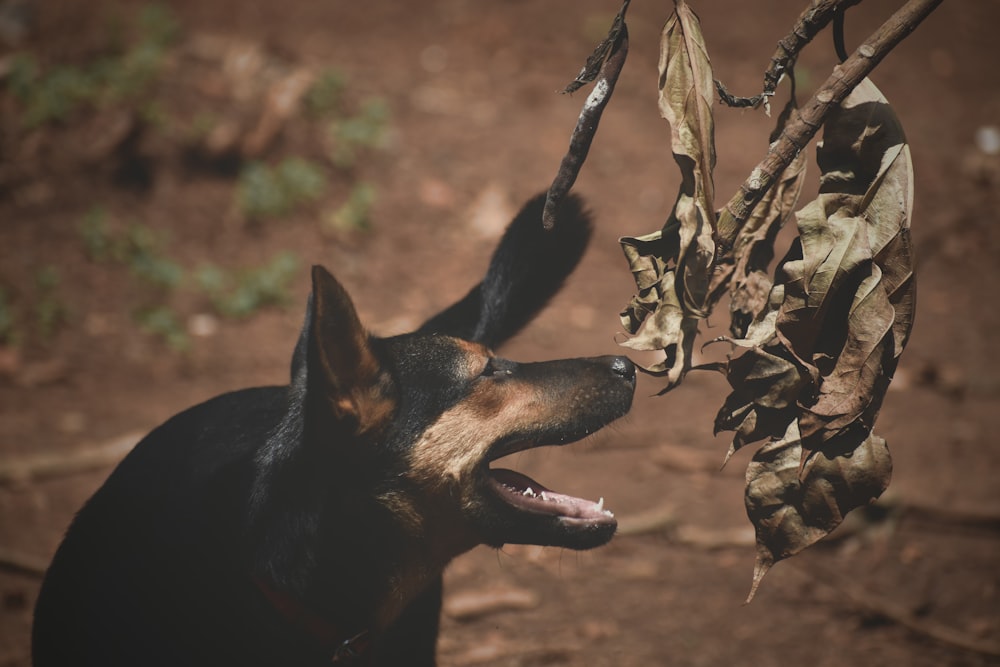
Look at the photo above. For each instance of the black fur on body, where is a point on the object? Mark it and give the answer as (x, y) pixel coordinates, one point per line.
(270, 525)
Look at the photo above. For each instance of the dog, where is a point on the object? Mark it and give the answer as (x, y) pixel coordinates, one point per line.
(310, 524)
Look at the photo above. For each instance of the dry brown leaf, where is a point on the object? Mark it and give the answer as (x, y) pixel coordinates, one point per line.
(744, 272)
(672, 266)
(792, 507)
(824, 349)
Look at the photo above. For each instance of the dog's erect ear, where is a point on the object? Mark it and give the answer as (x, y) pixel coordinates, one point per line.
(334, 367)
(527, 269)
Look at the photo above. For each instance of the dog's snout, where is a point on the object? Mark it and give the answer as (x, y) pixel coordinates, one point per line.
(623, 367)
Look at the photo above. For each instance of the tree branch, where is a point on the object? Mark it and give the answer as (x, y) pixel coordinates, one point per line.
(24, 564)
(609, 57)
(801, 130)
(813, 19)
(898, 613)
(45, 466)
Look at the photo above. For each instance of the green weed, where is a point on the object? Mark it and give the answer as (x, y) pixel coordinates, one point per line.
(162, 322)
(41, 318)
(324, 97)
(239, 294)
(49, 309)
(52, 96)
(266, 192)
(56, 94)
(139, 247)
(9, 334)
(144, 253)
(98, 240)
(355, 213)
(350, 136)
(158, 25)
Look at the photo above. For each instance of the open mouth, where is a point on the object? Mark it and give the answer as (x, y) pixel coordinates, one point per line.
(525, 494)
(541, 515)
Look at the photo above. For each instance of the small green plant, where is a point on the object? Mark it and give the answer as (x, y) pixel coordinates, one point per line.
(201, 126)
(162, 322)
(98, 241)
(324, 96)
(366, 130)
(22, 75)
(158, 25)
(146, 258)
(8, 320)
(51, 96)
(355, 213)
(41, 317)
(266, 192)
(56, 94)
(138, 247)
(239, 294)
(142, 251)
(49, 309)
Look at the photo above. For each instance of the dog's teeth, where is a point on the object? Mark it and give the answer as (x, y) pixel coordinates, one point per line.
(600, 503)
(528, 492)
(543, 496)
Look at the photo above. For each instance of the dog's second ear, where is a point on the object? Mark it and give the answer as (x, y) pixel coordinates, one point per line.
(335, 369)
(527, 269)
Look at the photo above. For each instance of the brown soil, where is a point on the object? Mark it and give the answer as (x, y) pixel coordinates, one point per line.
(476, 128)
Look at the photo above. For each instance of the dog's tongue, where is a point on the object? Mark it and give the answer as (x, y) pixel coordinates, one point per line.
(525, 493)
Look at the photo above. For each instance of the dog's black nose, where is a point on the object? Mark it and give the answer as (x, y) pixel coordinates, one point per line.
(624, 367)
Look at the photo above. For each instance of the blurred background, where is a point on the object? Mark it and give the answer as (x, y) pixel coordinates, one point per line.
(168, 172)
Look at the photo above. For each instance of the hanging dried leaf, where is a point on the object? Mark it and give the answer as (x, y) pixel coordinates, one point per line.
(823, 350)
(856, 268)
(744, 272)
(672, 266)
(767, 386)
(793, 506)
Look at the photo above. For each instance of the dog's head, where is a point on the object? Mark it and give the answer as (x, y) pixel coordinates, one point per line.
(430, 411)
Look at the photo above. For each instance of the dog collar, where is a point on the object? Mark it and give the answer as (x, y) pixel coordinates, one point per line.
(345, 650)
(353, 650)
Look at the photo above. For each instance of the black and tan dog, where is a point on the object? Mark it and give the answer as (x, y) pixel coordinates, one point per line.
(301, 524)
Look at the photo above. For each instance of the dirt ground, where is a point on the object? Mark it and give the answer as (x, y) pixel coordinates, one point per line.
(476, 127)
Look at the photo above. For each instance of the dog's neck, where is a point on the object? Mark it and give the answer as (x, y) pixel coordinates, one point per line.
(425, 552)
(341, 645)
(367, 580)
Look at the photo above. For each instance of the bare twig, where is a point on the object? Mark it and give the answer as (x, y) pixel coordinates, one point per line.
(649, 521)
(800, 130)
(610, 54)
(20, 563)
(19, 471)
(813, 19)
(954, 518)
(896, 612)
(664, 520)
(595, 62)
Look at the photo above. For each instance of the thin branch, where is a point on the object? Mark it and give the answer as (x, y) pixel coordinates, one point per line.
(665, 520)
(813, 19)
(595, 62)
(20, 563)
(20, 471)
(801, 129)
(610, 54)
(898, 613)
